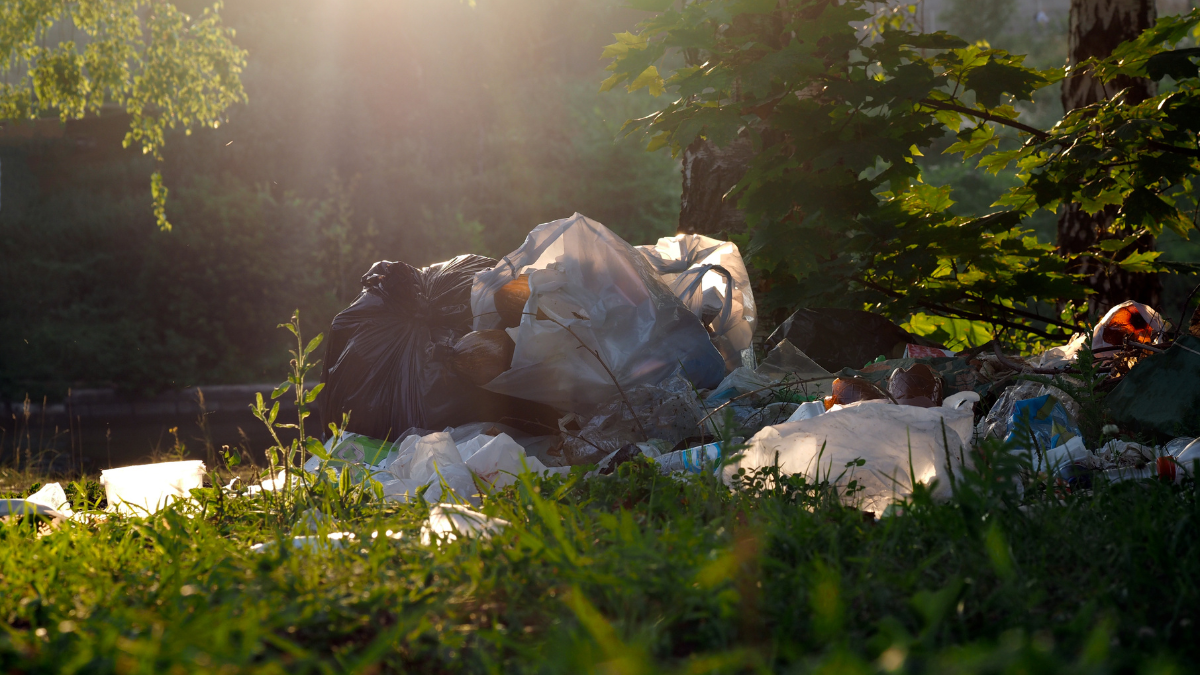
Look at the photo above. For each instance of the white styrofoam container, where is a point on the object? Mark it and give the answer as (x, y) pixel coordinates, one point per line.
(146, 488)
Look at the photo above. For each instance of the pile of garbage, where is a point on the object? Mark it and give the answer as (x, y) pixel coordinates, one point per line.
(581, 349)
(578, 348)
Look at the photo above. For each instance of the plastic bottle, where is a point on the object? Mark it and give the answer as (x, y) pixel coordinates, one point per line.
(700, 459)
(1166, 469)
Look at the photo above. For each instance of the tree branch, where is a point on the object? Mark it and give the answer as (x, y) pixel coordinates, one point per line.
(1174, 149)
(944, 309)
(1041, 135)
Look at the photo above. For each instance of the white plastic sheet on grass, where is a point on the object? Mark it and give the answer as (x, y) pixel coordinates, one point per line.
(888, 437)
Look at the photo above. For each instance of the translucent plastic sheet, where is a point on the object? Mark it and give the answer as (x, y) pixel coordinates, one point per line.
(590, 291)
(708, 275)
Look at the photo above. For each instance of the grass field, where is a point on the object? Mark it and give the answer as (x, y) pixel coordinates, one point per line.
(631, 573)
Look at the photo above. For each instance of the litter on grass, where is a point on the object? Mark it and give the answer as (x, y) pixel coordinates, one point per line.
(580, 349)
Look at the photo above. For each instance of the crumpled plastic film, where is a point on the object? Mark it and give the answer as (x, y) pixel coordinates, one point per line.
(996, 424)
(708, 275)
(590, 291)
(668, 412)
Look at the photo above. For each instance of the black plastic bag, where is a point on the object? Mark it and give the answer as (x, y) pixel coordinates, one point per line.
(386, 362)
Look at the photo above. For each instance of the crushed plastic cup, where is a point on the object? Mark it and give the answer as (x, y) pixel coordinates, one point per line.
(144, 489)
(1065, 453)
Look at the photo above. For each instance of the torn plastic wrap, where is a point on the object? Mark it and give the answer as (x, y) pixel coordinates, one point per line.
(708, 275)
(590, 291)
(669, 412)
(997, 422)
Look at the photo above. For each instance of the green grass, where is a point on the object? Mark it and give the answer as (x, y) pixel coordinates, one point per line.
(633, 573)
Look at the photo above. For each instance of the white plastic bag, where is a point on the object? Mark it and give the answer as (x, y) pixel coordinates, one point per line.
(498, 462)
(599, 295)
(708, 275)
(888, 437)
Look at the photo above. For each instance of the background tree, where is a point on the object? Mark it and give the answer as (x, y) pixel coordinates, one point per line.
(371, 133)
(159, 65)
(838, 115)
(1096, 28)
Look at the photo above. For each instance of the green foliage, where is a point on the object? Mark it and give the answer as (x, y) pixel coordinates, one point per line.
(635, 573)
(161, 66)
(835, 198)
(1135, 160)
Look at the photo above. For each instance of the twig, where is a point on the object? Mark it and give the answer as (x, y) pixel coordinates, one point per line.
(611, 376)
(1042, 135)
(1183, 312)
(1020, 369)
(1139, 345)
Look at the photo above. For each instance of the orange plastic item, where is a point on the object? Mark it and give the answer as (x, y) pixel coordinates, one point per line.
(1129, 320)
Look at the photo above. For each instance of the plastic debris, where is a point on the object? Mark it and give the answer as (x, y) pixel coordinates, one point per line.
(1059, 358)
(449, 521)
(708, 275)
(668, 412)
(702, 459)
(1162, 392)
(923, 352)
(52, 496)
(844, 338)
(916, 385)
(997, 422)
(790, 366)
(20, 508)
(890, 438)
(390, 355)
(1041, 424)
(144, 489)
(1130, 321)
(847, 390)
(310, 542)
(607, 314)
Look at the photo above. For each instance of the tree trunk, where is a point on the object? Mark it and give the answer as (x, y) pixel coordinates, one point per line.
(1096, 28)
(708, 173)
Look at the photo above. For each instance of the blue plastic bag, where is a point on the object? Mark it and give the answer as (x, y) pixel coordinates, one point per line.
(1044, 419)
